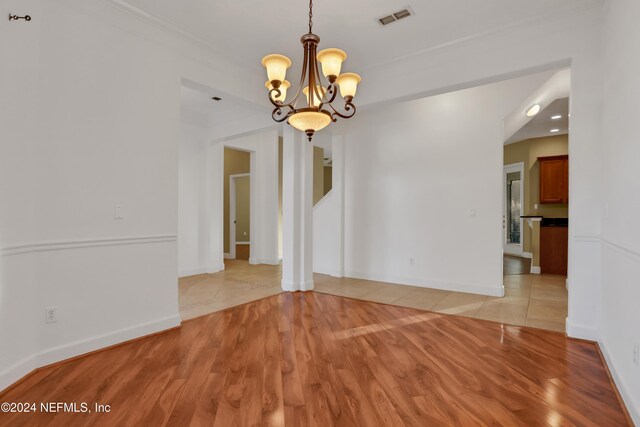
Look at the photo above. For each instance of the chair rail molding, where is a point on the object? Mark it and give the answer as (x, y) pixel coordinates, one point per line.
(84, 243)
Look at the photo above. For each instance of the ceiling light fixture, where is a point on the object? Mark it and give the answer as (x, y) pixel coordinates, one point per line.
(533, 110)
(313, 115)
(556, 117)
(554, 130)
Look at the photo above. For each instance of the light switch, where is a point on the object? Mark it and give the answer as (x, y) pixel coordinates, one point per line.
(117, 212)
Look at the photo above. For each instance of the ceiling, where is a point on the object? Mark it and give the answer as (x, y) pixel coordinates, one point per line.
(542, 123)
(247, 30)
(199, 109)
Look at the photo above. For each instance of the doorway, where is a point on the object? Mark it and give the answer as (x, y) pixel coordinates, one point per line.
(513, 201)
(237, 200)
(240, 216)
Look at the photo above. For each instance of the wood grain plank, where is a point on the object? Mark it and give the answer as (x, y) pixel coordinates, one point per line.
(310, 359)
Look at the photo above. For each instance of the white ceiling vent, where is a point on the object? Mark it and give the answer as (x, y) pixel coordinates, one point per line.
(396, 16)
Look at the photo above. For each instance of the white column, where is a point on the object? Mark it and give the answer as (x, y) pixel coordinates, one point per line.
(213, 207)
(297, 211)
(338, 153)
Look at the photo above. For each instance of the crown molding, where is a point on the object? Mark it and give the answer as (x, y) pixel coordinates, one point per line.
(125, 7)
(551, 17)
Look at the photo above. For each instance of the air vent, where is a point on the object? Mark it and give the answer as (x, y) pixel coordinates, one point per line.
(396, 16)
(402, 14)
(387, 20)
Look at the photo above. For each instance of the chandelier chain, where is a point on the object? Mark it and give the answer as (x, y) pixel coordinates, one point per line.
(310, 16)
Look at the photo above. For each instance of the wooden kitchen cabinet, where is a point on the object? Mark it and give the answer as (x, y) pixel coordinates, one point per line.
(554, 179)
(554, 250)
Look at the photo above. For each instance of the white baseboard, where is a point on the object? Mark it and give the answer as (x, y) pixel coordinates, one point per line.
(192, 272)
(497, 291)
(337, 273)
(80, 347)
(294, 287)
(76, 348)
(329, 272)
(527, 255)
(536, 270)
(582, 332)
(215, 268)
(632, 407)
(14, 373)
(268, 261)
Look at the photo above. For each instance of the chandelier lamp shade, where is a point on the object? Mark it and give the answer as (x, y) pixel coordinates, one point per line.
(304, 111)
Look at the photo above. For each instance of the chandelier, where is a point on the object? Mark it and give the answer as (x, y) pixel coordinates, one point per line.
(317, 110)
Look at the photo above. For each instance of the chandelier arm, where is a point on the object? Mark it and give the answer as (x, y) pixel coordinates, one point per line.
(293, 101)
(272, 98)
(321, 97)
(333, 91)
(278, 112)
(348, 106)
(313, 78)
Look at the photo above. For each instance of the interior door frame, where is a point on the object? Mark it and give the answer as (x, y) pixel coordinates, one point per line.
(232, 211)
(510, 248)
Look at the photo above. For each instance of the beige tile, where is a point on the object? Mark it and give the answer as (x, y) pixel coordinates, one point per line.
(532, 300)
(387, 293)
(422, 304)
(518, 292)
(513, 314)
(550, 292)
(350, 292)
(510, 299)
(547, 310)
(381, 298)
(423, 298)
(461, 304)
(517, 284)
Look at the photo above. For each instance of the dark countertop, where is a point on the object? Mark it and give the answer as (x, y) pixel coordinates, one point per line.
(554, 222)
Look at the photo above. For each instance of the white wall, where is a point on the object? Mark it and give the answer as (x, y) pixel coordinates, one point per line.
(414, 173)
(328, 217)
(621, 229)
(18, 322)
(90, 112)
(263, 147)
(560, 41)
(192, 234)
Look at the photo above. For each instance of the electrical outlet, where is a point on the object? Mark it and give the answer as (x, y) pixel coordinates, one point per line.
(51, 314)
(412, 261)
(636, 354)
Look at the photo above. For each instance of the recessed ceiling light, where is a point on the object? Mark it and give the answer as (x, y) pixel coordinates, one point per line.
(533, 110)
(554, 130)
(556, 117)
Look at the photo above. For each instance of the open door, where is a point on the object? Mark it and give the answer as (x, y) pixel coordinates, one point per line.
(513, 201)
(240, 216)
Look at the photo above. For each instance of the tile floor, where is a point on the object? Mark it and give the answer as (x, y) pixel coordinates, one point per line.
(530, 300)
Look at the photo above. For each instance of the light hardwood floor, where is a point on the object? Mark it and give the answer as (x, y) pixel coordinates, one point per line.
(311, 359)
(531, 300)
